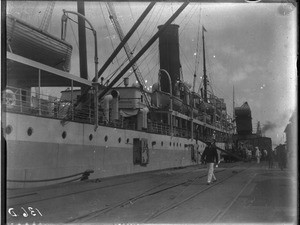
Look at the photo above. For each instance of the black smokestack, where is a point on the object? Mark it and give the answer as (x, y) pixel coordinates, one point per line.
(169, 56)
(269, 126)
(243, 119)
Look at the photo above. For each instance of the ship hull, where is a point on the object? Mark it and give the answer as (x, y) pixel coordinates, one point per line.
(45, 154)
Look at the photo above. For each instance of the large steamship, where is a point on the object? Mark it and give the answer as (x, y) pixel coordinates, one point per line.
(100, 128)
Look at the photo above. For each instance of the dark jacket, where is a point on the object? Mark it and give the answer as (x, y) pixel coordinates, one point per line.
(210, 154)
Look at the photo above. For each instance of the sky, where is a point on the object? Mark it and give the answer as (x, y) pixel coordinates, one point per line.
(250, 47)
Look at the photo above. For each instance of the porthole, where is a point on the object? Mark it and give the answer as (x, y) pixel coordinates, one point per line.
(174, 144)
(127, 141)
(105, 138)
(64, 134)
(91, 137)
(8, 129)
(170, 143)
(29, 131)
(119, 140)
(162, 143)
(177, 144)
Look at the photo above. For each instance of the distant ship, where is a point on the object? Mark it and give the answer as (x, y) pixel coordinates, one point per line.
(123, 130)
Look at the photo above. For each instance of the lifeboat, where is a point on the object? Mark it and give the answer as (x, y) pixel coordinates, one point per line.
(30, 42)
(162, 100)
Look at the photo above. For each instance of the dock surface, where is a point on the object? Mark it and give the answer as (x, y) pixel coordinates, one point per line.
(245, 192)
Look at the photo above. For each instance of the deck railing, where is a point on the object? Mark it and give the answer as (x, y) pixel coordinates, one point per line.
(24, 101)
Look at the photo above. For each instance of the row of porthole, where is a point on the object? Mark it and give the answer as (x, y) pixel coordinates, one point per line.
(9, 129)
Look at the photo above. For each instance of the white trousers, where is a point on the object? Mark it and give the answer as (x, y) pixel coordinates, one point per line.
(258, 159)
(210, 172)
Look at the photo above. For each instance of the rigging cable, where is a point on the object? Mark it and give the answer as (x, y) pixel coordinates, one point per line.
(190, 14)
(116, 70)
(140, 62)
(187, 64)
(131, 14)
(146, 28)
(109, 35)
(139, 65)
(197, 58)
(77, 23)
(154, 47)
(74, 35)
(139, 36)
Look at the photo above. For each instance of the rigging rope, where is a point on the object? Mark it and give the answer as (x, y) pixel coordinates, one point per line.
(197, 58)
(109, 35)
(187, 64)
(119, 68)
(74, 35)
(154, 47)
(150, 50)
(146, 27)
(190, 14)
(137, 32)
(77, 23)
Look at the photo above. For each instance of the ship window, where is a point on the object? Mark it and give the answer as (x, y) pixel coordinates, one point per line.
(162, 143)
(174, 144)
(119, 140)
(170, 143)
(64, 134)
(29, 131)
(91, 137)
(105, 138)
(8, 129)
(127, 141)
(177, 144)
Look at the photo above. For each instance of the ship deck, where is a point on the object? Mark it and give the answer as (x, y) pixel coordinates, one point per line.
(244, 193)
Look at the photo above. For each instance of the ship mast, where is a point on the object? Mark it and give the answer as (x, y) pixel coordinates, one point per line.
(204, 66)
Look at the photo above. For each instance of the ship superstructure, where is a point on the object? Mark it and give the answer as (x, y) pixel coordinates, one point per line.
(48, 138)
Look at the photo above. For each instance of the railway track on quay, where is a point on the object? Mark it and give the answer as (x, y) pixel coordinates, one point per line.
(150, 196)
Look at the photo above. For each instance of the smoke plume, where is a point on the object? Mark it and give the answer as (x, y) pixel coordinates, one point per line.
(268, 126)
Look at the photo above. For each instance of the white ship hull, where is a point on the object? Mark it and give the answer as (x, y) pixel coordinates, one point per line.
(47, 155)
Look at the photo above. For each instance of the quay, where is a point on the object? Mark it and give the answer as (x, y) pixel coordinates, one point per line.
(245, 192)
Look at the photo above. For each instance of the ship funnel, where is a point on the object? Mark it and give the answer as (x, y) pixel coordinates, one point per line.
(169, 56)
(243, 119)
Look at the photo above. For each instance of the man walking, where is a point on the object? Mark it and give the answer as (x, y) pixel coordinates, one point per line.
(257, 154)
(210, 156)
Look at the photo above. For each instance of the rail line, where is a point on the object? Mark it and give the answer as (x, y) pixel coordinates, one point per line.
(81, 191)
(220, 214)
(174, 205)
(149, 192)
